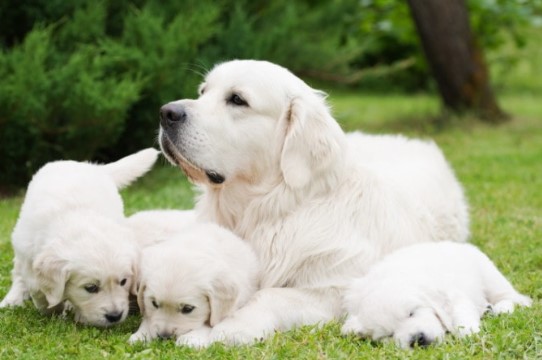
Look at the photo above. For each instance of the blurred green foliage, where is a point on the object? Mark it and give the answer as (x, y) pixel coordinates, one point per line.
(84, 79)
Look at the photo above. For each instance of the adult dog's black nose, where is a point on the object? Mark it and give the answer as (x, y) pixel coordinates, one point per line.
(113, 317)
(172, 114)
(420, 340)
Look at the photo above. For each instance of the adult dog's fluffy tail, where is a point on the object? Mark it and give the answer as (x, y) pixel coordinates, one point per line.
(129, 168)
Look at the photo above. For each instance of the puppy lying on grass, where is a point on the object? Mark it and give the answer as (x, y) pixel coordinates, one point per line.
(417, 294)
(191, 282)
(71, 242)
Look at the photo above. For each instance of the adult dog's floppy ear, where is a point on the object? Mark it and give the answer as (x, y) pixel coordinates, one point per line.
(52, 274)
(222, 299)
(312, 140)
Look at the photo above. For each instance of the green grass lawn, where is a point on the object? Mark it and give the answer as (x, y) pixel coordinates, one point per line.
(501, 169)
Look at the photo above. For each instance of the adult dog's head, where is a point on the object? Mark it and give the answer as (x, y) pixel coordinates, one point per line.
(252, 121)
(95, 272)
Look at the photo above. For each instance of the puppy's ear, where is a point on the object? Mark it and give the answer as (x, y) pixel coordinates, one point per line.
(441, 304)
(52, 274)
(141, 298)
(222, 299)
(312, 142)
(134, 286)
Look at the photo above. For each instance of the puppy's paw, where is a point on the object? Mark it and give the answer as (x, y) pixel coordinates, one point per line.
(508, 305)
(13, 299)
(138, 337)
(11, 302)
(197, 339)
(352, 326)
(467, 330)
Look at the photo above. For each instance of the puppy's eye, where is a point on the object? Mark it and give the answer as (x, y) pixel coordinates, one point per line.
(92, 288)
(123, 282)
(236, 100)
(155, 304)
(187, 309)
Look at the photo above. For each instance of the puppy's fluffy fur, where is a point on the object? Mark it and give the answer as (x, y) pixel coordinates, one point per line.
(318, 206)
(72, 246)
(154, 226)
(193, 281)
(417, 294)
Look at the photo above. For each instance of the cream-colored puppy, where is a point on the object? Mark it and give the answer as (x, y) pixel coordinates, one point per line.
(154, 226)
(417, 294)
(317, 205)
(193, 281)
(71, 242)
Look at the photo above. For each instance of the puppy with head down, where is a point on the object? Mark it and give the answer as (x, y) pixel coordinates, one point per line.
(418, 294)
(72, 245)
(191, 282)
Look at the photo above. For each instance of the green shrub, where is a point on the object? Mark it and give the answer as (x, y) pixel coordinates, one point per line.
(85, 79)
(58, 105)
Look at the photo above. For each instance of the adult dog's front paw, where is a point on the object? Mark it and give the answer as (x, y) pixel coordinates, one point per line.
(234, 332)
(198, 339)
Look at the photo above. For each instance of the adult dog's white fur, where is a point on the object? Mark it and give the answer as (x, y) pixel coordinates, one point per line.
(417, 294)
(193, 281)
(318, 206)
(72, 245)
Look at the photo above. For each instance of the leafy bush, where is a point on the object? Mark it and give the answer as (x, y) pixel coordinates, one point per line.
(84, 79)
(55, 105)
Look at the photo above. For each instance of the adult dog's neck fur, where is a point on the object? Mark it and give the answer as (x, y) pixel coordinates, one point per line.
(242, 206)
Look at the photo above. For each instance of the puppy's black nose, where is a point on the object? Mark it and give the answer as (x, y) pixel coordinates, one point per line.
(172, 114)
(164, 335)
(113, 317)
(419, 339)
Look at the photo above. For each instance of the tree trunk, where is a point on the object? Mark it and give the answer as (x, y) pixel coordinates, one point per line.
(455, 58)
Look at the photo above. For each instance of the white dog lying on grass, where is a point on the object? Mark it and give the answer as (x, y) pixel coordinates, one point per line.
(193, 281)
(72, 246)
(417, 294)
(319, 207)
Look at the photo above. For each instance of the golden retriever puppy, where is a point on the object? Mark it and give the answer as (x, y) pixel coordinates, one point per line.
(154, 226)
(419, 293)
(71, 242)
(318, 206)
(193, 281)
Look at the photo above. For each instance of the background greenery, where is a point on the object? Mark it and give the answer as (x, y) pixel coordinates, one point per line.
(47, 79)
(84, 79)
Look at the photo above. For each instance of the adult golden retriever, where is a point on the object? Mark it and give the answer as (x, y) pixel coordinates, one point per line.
(318, 206)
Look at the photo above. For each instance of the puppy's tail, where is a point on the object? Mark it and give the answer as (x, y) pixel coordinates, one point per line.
(129, 168)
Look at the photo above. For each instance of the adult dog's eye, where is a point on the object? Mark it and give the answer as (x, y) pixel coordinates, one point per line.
(92, 288)
(155, 304)
(123, 282)
(187, 309)
(235, 99)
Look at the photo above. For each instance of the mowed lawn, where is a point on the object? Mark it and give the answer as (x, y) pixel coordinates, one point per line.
(500, 168)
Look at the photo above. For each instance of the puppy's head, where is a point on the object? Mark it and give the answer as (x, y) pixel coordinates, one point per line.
(184, 286)
(410, 315)
(253, 120)
(91, 263)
